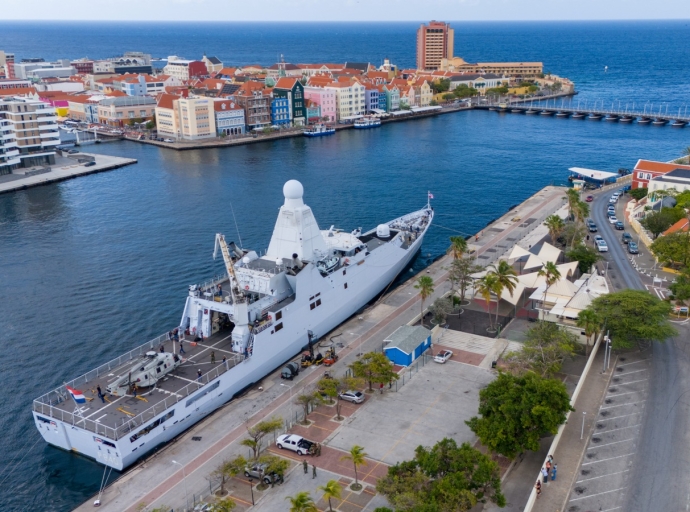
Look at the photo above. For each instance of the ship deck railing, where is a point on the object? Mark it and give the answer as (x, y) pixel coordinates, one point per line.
(47, 405)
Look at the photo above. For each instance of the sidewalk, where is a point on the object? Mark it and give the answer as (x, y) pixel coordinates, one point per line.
(571, 448)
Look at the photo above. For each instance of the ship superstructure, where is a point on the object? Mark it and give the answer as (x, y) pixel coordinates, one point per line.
(235, 329)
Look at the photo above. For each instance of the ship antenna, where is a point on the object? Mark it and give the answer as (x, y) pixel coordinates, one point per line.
(237, 228)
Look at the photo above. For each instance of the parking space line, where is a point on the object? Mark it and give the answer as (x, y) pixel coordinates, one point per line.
(602, 476)
(635, 362)
(610, 509)
(609, 444)
(607, 431)
(634, 371)
(622, 405)
(631, 382)
(617, 417)
(621, 394)
(610, 458)
(598, 494)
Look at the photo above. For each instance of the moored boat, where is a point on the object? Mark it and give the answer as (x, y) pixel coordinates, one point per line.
(319, 130)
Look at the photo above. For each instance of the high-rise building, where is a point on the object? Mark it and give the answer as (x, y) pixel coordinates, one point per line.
(434, 43)
(28, 133)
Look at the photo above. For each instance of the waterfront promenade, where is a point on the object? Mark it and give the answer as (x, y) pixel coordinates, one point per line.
(158, 481)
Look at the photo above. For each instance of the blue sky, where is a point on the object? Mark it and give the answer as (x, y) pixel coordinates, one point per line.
(343, 10)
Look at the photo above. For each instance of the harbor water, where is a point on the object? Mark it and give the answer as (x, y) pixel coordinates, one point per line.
(94, 266)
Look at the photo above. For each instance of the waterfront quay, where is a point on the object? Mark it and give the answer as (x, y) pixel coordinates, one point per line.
(66, 166)
(284, 133)
(180, 472)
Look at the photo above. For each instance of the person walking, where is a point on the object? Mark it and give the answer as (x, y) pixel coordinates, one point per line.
(538, 487)
(381, 389)
(100, 393)
(181, 349)
(213, 357)
(553, 472)
(545, 474)
(313, 471)
(548, 466)
(305, 465)
(198, 375)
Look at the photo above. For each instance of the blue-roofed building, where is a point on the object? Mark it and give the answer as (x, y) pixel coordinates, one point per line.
(407, 343)
(280, 111)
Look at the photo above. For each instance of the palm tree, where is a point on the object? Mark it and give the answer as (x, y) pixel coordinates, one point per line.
(425, 285)
(458, 246)
(573, 198)
(357, 457)
(555, 225)
(485, 287)
(581, 211)
(331, 491)
(551, 275)
(590, 321)
(302, 502)
(686, 153)
(506, 280)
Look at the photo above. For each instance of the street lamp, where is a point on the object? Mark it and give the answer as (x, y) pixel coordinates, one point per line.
(289, 387)
(251, 486)
(184, 479)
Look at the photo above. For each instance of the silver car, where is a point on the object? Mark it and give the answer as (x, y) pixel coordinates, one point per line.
(356, 397)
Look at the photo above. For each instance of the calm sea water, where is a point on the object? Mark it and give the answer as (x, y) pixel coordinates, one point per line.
(94, 266)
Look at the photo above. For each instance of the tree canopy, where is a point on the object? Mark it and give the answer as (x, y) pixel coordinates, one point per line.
(632, 316)
(658, 222)
(681, 287)
(544, 350)
(638, 193)
(446, 477)
(516, 411)
(460, 274)
(673, 248)
(374, 367)
(585, 256)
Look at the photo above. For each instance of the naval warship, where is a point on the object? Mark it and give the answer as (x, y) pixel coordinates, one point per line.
(254, 318)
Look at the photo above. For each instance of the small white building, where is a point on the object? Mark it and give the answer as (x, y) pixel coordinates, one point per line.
(229, 117)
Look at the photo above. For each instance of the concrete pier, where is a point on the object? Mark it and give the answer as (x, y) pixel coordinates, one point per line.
(157, 481)
(65, 168)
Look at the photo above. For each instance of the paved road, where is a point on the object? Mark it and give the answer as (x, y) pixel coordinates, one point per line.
(660, 466)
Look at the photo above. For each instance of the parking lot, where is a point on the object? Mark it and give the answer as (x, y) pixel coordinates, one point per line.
(614, 435)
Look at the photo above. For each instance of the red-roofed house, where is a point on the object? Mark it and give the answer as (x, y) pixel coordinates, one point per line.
(646, 170)
(680, 226)
(229, 117)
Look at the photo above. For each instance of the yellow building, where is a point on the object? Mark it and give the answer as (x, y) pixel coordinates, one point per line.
(513, 69)
(185, 118)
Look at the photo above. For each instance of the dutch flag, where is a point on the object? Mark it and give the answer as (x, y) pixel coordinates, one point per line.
(77, 395)
(431, 196)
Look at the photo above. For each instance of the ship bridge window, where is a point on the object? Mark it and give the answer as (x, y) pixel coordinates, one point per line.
(315, 305)
(278, 327)
(279, 315)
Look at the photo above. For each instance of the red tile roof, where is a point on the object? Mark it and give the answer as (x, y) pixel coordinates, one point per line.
(681, 225)
(661, 167)
(19, 91)
(166, 100)
(285, 83)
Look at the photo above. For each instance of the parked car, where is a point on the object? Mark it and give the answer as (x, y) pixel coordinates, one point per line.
(597, 238)
(168, 140)
(443, 356)
(295, 443)
(611, 208)
(258, 471)
(592, 228)
(619, 225)
(89, 164)
(73, 151)
(613, 219)
(632, 248)
(601, 246)
(613, 199)
(356, 397)
(626, 237)
(610, 213)
(589, 199)
(290, 371)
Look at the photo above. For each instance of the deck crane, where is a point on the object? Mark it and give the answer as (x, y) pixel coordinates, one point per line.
(237, 294)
